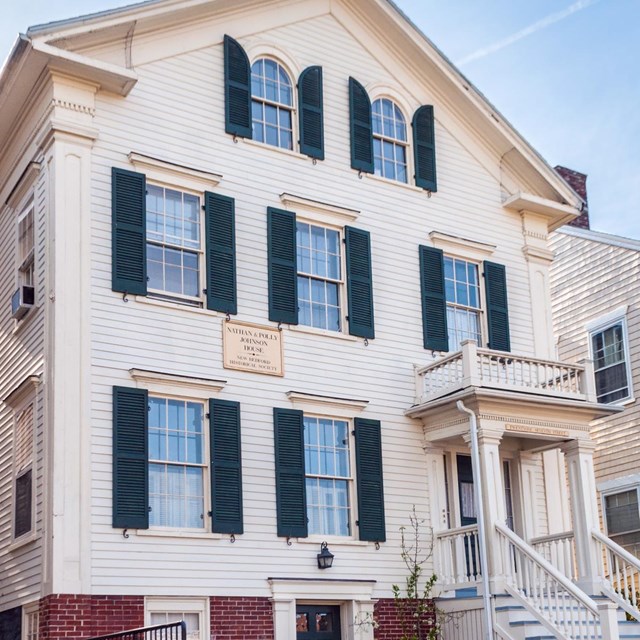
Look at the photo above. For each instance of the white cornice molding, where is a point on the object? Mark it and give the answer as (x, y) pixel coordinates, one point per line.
(319, 211)
(537, 254)
(24, 183)
(556, 212)
(471, 249)
(22, 391)
(158, 382)
(292, 589)
(607, 319)
(333, 405)
(177, 175)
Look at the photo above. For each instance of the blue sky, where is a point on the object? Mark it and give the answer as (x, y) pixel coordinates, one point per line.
(563, 72)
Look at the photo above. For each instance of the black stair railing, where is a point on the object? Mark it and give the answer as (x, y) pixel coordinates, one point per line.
(172, 631)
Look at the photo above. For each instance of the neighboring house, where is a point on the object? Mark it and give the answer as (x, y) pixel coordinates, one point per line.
(595, 286)
(263, 267)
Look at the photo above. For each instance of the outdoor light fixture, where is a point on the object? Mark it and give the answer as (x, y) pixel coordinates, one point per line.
(325, 557)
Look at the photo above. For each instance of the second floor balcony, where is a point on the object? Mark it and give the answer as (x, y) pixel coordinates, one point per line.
(508, 372)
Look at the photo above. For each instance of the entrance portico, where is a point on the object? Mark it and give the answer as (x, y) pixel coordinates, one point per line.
(532, 434)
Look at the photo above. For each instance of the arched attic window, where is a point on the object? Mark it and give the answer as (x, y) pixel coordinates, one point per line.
(389, 140)
(271, 103)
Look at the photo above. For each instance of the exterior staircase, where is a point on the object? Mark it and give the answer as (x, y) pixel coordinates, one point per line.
(514, 622)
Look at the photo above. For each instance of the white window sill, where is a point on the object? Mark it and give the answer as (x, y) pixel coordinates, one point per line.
(25, 540)
(25, 321)
(177, 533)
(331, 541)
(167, 304)
(300, 328)
(395, 183)
(271, 147)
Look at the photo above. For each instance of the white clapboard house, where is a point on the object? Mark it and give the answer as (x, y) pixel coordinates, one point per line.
(272, 273)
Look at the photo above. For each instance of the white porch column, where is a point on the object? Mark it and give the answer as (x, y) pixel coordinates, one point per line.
(493, 501)
(584, 509)
(437, 488)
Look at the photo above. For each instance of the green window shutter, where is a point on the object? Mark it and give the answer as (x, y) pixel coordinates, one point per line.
(219, 212)
(311, 116)
(359, 283)
(226, 466)
(424, 148)
(369, 480)
(361, 127)
(495, 282)
(434, 302)
(129, 231)
(237, 89)
(291, 493)
(283, 269)
(130, 457)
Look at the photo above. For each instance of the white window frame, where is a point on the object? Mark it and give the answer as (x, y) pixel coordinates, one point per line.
(188, 180)
(26, 264)
(395, 141)
(30, 466)
(481, 309)
(167, 296)
(351, 480)
(293, 109)
(618, 316)
(30, 614)
(200, 606)
(207, 520)
(322, 214)
(341, 282)
(471, 251)
(615, 487)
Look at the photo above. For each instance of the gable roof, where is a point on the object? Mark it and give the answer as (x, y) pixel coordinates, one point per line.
(54, 43)
(603, 238)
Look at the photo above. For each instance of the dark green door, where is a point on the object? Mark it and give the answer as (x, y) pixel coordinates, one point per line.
(317, 622)
(468, 514)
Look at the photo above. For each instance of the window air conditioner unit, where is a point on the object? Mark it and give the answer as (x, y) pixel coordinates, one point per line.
(21, 301)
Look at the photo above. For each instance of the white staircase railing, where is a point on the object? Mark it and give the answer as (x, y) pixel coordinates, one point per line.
(458, 558)
(558, 550)
(549, 596)
(621, 574)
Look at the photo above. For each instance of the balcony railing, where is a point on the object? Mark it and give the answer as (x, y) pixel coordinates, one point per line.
(474, 367)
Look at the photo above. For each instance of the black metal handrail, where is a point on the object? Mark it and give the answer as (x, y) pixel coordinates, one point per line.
(171, 631)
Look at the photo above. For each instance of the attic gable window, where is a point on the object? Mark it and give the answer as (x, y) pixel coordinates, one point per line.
(271, 104)
(389, 140)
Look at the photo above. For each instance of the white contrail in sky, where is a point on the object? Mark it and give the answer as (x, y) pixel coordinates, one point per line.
(527, 31)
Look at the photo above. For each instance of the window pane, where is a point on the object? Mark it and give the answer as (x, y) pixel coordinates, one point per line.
(622, 512)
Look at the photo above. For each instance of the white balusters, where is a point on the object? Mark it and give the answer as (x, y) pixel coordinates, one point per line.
(458, 556)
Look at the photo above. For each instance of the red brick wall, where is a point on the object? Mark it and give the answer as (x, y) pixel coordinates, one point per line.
(578, 182)
(388, 621)
(241, 618)
(82, 616)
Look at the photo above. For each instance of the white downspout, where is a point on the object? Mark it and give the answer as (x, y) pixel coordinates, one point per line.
(482, 544)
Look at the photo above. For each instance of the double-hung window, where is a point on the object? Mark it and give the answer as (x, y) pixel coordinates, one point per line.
(319, 276)
(26, 246)
(622, 516)
(30, 621)
(177, 463)
(328, 475)
(271, 104)
(462, 291)
(174, 244)
(23, 466)
(608, 347)
(389, 140)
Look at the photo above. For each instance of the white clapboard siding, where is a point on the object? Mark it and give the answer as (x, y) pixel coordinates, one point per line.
(591, 277)
(21, 355)
(176, 113)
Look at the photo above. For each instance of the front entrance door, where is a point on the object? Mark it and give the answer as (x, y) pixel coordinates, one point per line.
(468, 516)
(317, 622)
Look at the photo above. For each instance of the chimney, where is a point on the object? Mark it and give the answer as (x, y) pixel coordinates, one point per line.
(578, 182)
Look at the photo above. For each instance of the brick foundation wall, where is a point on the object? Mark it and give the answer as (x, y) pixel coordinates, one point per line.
(389, 623)
(66, 617)
(82, 616)
(241, 618)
